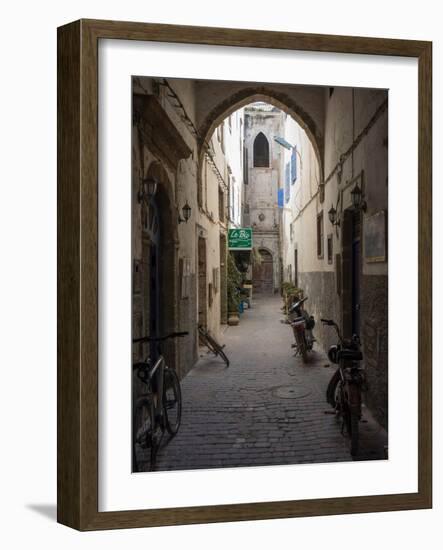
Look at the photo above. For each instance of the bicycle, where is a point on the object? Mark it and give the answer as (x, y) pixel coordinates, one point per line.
(211, 343)
(345, 388)
(156, 411)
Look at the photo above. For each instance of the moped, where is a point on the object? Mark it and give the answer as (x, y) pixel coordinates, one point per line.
(344, 391)
(302, 324)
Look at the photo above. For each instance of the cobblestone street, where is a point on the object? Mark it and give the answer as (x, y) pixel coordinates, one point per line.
(266, 408)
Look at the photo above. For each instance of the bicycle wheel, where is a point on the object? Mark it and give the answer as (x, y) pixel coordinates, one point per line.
(218, 349)
(331, 391)
(208, 342)
(143, 441)
(224, 357)
(340, 405)
(172, 401)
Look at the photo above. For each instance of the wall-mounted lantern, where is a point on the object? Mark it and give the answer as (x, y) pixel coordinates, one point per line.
(186, 210)
(332, 215)
(148, 189)
(357, 199)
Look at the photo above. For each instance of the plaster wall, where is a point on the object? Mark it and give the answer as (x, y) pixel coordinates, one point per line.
(356, 150)
(208, 218)
(222, 182)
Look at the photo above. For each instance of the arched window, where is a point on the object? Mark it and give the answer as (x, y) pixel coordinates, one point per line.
(261, 151)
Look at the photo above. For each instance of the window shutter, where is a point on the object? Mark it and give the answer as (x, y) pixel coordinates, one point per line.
(294, 164)
(287, 181)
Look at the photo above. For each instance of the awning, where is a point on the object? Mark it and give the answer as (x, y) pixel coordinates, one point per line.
(281, 141)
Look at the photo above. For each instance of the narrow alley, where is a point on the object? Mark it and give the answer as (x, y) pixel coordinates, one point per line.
(263, 195)
(267, 408)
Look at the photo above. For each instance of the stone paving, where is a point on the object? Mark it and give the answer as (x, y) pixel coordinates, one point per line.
(266, 408)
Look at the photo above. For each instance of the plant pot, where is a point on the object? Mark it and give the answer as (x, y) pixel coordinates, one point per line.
(233, 318)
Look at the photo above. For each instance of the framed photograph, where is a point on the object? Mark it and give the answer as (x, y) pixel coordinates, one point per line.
(375, 237)
(203, 382)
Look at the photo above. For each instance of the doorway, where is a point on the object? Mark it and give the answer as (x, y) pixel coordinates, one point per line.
(202, 282)
(263, 273)
(151, 279)
(223, 281)
(351, 273)
(356, 272)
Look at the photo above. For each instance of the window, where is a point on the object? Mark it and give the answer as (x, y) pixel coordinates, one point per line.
(261, 151)
(320, 235)
(221, 205)
(240, 141)
(231, 198)
(245, 165)
(330, 248)
(293, 164)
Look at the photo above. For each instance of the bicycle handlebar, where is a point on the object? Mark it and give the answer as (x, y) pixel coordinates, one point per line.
(159, 338)
(332, 323)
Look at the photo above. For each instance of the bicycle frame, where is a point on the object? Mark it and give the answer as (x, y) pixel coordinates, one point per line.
(156, 382)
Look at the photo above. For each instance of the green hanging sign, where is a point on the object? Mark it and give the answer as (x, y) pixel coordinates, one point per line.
(240, 239)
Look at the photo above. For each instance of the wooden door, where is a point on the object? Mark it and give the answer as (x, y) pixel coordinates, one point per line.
(356, 270)
(263, 273)
(202, 282)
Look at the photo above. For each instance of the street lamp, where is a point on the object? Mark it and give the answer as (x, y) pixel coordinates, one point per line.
(147, 190)
(186, 213)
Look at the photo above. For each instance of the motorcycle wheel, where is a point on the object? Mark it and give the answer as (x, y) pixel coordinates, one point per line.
(354, 417)
(303, 349)
(354, 422)
(340, 403)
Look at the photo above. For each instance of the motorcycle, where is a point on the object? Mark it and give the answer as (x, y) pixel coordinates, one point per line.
(344, 391)
(302, 324)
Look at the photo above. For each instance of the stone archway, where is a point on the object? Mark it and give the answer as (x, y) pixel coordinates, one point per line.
(269, 94)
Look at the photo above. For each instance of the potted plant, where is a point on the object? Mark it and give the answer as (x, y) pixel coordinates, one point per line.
(290, 294)
(234, 280)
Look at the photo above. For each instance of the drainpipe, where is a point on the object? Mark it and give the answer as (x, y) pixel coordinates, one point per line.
(353, 132)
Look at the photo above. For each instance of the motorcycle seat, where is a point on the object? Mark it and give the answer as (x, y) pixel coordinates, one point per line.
(350, 355)
(297, 320)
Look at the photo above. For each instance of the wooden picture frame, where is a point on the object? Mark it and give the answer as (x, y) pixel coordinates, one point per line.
(78, 275)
